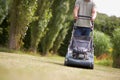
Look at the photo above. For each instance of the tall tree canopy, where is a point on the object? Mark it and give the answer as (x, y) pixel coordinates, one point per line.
(38, 26)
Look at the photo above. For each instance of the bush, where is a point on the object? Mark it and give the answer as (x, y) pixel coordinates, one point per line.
(102, 43)
(104, 62)
(4, 32)
(116, 48)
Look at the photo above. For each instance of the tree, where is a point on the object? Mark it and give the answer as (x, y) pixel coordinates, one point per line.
(102, 43)
(64, 46)
(38, 26)
(4, 32)
(60, 38)
(59, 10)
(106, 24)
(3, 9)
(21, 14)
(65, 27)
(116, 48)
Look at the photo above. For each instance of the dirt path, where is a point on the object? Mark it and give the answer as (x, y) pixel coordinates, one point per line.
(27, 67)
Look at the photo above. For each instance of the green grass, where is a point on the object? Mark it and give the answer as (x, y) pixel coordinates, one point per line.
(4, 49)
(28, 67)
(104, 62)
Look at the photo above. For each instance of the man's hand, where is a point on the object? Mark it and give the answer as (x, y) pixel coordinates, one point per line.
(92, 27)
(75, 17)
(92, 19)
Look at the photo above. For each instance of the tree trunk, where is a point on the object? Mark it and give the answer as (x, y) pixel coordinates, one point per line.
(13, 33)
(21, 15)
(116, 62)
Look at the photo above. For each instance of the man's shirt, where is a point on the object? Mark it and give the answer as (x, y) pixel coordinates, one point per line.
(85, 9)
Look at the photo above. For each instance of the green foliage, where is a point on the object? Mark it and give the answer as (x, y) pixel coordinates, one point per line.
(65, 27)
(105, 62)
(59, 10)
(100, 21)
(38, 27)
(4, 32)
(26, 9)
(3, 9)
(64, 46)
(101, 42)
(116, 48)
(4, 6)
(106, 24)
(21, 15)
(60, 38)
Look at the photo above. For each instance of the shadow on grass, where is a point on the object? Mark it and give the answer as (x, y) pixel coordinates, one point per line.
(52, 62)
(70, 66)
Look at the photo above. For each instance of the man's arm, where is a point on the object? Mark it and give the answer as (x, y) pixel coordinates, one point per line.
(76, 9)
(94, 13)
(75, 12)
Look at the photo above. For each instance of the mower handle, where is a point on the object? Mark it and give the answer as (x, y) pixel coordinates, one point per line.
(85, 18)
(82, 16)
